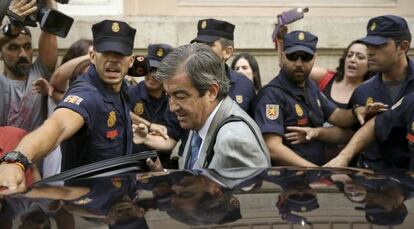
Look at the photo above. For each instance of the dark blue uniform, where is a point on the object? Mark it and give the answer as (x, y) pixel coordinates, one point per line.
(282, 103)
(241, 89)
(400, 120)
(107, 130)
(391, 152)
(149, 108)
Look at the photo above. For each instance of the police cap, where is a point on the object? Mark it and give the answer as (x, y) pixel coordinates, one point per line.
(114, 36)
(157, 52)
(210, 30)
(300, 41)
(383, 28)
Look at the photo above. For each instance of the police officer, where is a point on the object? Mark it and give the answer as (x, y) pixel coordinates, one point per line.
(148, 98)
(219, 35)
(388, 41)
(94, 112)
(291, 99)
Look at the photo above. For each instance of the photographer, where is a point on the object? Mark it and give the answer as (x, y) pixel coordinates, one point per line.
(18, 105)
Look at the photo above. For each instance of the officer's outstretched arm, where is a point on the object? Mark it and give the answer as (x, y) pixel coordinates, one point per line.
(332, 134)
(61, 125)
(342, 118)
(282, 155)
(361, 139)
(48, 47)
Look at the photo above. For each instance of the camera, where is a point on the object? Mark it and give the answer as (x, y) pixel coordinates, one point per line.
(140, 67)
(288, 17)
(50, 20)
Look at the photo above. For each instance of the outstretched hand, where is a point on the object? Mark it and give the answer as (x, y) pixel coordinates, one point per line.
(370, 110)
(298, 135)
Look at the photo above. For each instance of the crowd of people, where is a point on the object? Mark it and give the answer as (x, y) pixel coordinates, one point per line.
(222, 116)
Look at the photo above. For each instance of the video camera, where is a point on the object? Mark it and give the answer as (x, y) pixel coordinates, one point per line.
(288, 17)
(50, 20)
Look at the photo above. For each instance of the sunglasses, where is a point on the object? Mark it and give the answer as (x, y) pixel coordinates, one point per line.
(305, 57)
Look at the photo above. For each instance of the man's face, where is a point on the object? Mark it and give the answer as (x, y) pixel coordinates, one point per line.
(382, 58)
(298, 66)
(191, 108)
(151, 83)
(111, 67)
(17, 55)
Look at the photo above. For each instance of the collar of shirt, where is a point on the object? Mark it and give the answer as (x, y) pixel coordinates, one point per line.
(293, 88)
(203, 131)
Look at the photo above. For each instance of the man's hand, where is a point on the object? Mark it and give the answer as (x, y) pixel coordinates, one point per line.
(369, 111)
(140, 133)
(338, 161)
(22, 8)
(40, 86)
(12, 179)
(298, 135)
(158, 129)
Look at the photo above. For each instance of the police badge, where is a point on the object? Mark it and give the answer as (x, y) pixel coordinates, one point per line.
(139, 108)
(111, 119)
(298, 110)
(239, 99)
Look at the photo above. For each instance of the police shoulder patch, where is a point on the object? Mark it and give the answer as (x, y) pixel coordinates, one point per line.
(74, 99)
(272, 111)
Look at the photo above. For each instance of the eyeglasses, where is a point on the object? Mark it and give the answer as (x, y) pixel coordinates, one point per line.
(305, 57)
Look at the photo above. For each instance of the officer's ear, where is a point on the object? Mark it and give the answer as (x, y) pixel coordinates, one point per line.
(131, 60)
(228, 52)
(92, 55)
(404, 47)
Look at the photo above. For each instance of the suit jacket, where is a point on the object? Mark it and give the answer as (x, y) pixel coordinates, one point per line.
(235, 146)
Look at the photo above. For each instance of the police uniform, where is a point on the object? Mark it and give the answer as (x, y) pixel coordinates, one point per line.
(146, 106)
(107, 130)
(241, 89)
(399, 120)
(282, 103)
(391, 152)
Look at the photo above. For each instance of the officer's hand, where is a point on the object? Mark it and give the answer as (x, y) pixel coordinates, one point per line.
(369, 111)
(298, 135)
(12, 179)
(140, 133)
(338, 161)
(40, 86)
(154, 166)
(22, 8)
(158, 129)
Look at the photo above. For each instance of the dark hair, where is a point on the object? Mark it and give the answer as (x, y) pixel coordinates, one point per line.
(340, 70)
(201, 64)
(257, 82)
(77, 49)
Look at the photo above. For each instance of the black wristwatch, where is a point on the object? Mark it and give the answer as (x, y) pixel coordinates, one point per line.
(16, 157)
(8, 31)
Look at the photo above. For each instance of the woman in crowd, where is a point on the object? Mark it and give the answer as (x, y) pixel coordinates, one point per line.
(247, 65)
(351, 72)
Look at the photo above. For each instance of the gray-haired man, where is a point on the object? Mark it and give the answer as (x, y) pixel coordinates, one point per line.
(195, 80)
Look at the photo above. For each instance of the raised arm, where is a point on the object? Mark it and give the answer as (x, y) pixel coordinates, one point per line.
(48, 46)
